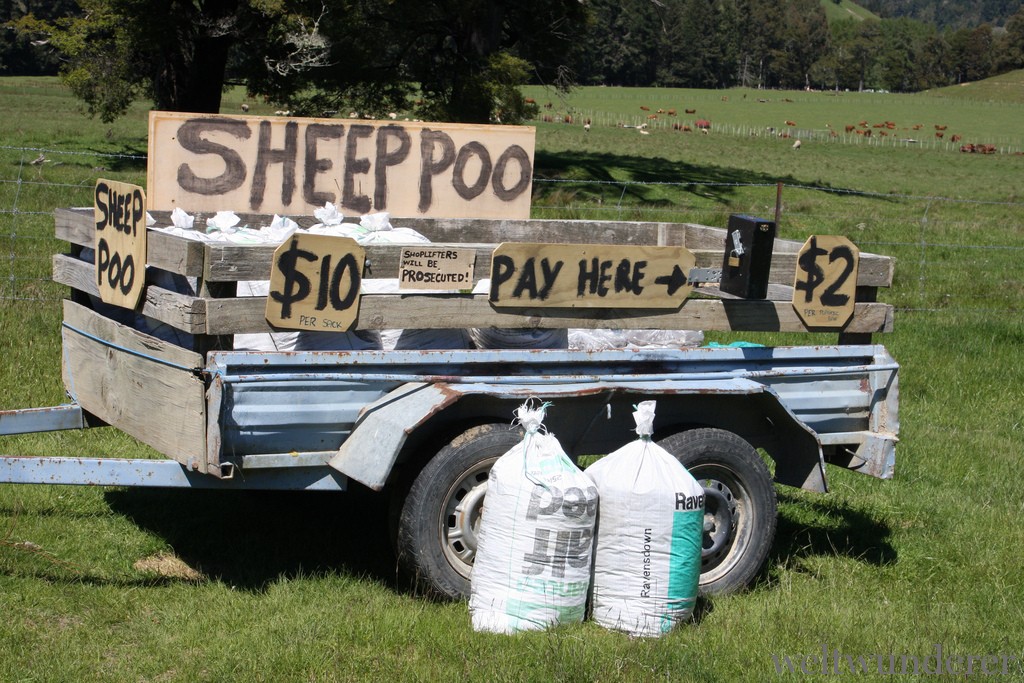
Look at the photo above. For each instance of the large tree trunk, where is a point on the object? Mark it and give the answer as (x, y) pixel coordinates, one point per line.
(190, 75)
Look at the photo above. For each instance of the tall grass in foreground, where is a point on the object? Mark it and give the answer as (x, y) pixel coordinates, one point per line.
(115, 585)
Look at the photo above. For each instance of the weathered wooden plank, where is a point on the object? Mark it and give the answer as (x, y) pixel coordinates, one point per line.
(182, 311)
(545, 230)
(120, 379)
(75, 225)
(197, 315)
(388, 311)
(167, 252)
(231, 263)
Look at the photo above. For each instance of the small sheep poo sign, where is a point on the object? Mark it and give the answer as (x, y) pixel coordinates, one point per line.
(120, 242)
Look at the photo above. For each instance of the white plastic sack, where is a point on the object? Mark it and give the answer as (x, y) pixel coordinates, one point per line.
(647, 550)
(519, 338)
(300, 340)
(534, 547)
(605, 339)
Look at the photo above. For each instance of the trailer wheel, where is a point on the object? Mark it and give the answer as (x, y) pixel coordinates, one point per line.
(739, 505)
(437, 526)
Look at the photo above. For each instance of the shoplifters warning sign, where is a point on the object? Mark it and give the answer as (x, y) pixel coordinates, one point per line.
(292, 166)
(590, 275)
(426, 267)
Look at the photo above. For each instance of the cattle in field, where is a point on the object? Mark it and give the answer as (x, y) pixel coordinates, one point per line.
(790, 123)
(691, 111)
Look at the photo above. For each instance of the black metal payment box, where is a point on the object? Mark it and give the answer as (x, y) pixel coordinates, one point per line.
(748, 256)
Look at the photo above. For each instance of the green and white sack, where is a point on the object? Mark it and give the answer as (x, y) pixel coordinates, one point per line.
(650, 527)
(534, 547)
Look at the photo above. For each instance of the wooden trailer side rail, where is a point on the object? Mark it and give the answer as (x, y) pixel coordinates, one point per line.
(217, 266)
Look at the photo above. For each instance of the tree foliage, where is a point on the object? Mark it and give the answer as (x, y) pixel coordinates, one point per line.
(463, 60)
(311, 56)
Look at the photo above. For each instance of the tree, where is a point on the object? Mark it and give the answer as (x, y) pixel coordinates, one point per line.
(622, 44)
(24, 55)
(175, 51)
(697, 53)
(799, 40)
(458, 52)
(1011, 45)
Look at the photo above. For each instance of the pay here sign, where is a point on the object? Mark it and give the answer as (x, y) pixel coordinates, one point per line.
(292, 166)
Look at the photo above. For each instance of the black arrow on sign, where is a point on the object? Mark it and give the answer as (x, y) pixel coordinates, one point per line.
(674, 281)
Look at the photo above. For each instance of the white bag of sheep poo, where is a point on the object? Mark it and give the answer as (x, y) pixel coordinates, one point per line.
(532, 567)
(647, 550)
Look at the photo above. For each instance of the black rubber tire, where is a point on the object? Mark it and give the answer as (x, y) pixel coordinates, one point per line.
(435, 540)
(733, 475)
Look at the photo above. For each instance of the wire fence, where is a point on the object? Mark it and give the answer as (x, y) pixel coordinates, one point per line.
(954, 255)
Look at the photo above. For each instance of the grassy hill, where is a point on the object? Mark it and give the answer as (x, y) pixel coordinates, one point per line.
(845, 9)
(1005, 88)
(111, 585)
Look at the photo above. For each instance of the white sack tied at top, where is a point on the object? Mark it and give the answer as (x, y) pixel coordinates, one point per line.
(648, 544)
(532, 566)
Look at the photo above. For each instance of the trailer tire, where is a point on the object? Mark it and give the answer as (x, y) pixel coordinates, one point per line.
(435, 539)
(740, 505)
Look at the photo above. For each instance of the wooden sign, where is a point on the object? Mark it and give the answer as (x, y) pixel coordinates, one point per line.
(590, 275)
(120, 242)
(826, 281)
(436, 268)
(292, 166)
(314, 283)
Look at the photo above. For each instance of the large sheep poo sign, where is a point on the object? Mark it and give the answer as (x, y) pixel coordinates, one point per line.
(120, 242)
(292, 166)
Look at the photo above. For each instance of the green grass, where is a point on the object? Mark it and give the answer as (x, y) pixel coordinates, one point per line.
(300, 587)
(836, 11)
(1005, 88)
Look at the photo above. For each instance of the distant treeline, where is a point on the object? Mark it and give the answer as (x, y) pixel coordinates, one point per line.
(946, 13)
(720, 44)
(771, 44)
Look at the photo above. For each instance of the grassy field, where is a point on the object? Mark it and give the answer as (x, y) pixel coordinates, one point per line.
(118, 585)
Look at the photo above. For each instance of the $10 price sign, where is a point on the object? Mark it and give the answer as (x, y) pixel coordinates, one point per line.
(826, 281)
(314, 283)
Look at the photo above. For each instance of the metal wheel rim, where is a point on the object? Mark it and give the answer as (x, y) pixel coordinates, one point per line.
(460, 518)
(725, 482)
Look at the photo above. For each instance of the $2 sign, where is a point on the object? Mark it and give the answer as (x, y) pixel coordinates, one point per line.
(826, 281)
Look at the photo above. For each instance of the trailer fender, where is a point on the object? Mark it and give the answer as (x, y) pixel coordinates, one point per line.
(380, 432)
